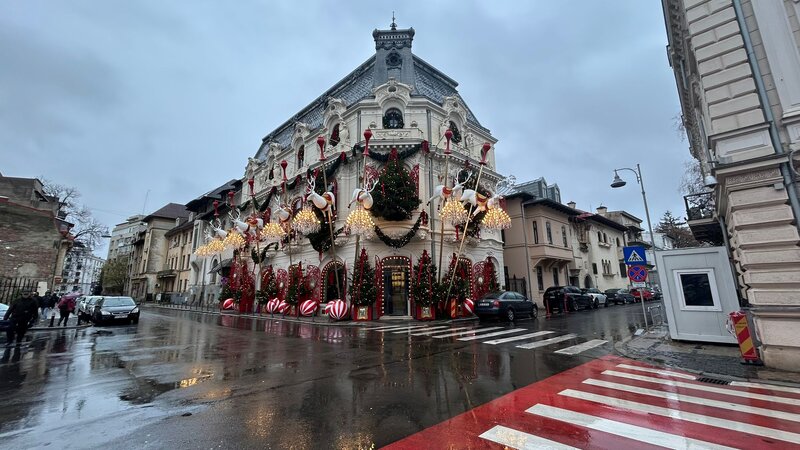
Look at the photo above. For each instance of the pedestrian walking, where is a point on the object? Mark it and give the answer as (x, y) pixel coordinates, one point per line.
(65, 306)
(43, 301)
(23, 313)
(52, 301)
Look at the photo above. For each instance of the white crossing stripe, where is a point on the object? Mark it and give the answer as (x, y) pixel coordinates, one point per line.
(427, 333)
(658, 371)
(550, 341)
(496, 333)
(397, 327)
(439, 328)
(512, 438)
(459, 333)
(575, 349)
(771, 387)
(705, 388)
(684, 415)
(625, 430)
(517, 338)
(775, 414)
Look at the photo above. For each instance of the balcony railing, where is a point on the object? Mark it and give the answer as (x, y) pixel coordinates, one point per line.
(699, 206)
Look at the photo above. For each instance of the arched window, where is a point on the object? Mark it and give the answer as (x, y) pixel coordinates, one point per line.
(564, 235)
(334, 140)
(393, 119)
(456, 134)
(301, 155)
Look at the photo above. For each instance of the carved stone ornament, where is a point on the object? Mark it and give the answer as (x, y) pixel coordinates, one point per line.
(252, 166)
(750, 177)
(333, 111)
(393, 89)
(300, 130)
(453, 107)
(274, 148)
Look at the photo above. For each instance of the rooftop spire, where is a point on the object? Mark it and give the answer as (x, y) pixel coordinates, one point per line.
(394, 25)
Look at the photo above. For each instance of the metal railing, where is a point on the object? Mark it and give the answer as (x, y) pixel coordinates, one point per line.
(11, 288)
(699, 206)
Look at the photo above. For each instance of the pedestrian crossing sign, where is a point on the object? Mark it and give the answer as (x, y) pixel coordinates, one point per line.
(634, 256)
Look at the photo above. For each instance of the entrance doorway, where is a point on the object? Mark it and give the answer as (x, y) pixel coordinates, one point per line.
(329, 288)
(395, 287)
(587, 282)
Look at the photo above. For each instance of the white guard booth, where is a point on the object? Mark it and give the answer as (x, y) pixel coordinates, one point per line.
(699, 293)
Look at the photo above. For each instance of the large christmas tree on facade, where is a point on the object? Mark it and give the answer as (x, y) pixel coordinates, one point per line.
(423, 281)
(395, 196)
(363, 289)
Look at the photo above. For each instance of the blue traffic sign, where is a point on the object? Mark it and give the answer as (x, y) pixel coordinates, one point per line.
(634, 256)
(637, 274)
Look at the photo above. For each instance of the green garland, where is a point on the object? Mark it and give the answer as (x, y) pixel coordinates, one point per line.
(401, 241)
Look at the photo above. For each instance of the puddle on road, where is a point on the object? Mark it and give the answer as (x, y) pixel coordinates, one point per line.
(147, 389)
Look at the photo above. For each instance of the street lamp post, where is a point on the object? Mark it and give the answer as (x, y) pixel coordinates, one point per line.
(618, 183)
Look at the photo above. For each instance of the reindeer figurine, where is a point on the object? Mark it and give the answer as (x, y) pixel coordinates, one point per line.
(443, 192)
(250, 225)
(325, 202)
(363, 196)
(481, 203)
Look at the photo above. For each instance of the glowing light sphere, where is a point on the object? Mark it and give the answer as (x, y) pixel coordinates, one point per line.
(234, 240)
(214, 247)
(306, 221)
(453, 212)
(273, 232)
(496, 219)
(360, 223)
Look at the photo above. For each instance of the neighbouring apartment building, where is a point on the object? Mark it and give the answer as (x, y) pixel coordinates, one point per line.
(737, 72)
(81, 271)
(597, 243)
(122, 237)
(174, 277)
(33, 238)
(150, 251)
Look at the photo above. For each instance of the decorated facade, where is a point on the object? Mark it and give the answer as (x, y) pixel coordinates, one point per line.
(353, 203)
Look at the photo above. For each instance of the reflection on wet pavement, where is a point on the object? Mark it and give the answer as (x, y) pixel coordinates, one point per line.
(262, 383)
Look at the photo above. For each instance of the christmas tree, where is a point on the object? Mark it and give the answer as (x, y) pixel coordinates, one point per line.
(363, 289)
(395, 196)
(423, 281)
(460, 289)
(269, 286)
(298, 288)
(490, 276)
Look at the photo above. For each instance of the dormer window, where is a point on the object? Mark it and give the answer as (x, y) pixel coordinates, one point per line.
(456, 134)
(301, 154)
(334, 140)
(393, 119)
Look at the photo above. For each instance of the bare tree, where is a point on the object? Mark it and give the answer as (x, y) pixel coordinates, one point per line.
(88, 231)
(692, 179)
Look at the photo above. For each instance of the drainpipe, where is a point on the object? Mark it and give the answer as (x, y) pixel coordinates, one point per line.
(786, 170)
(742, 301)
(431, 215)
(527, 250)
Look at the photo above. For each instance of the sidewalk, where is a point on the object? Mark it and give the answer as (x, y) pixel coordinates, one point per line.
(706, 359)
(317, 320)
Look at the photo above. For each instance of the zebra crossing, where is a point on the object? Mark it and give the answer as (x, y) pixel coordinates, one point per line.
(521, 338)
(614, 402)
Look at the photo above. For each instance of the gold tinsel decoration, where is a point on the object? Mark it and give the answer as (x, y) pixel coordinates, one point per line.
(496, 219)
(453, 212)
(360, 223)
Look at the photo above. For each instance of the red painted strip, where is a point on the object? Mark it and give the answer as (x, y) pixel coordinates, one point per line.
(462, 432)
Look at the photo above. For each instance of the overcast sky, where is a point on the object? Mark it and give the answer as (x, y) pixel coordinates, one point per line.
(163, 101)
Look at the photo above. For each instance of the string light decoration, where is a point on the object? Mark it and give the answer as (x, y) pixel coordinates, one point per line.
(273, 232)
(496, 219)
(453, 212)
(202, 250)
(306, 222)
(234, 240)
(360, 223)
(215, 246)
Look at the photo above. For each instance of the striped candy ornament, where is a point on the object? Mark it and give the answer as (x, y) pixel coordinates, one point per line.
(309, 307)
(336, 309)
(228, 304)
(282, 307)
(272, 305)
(469, 306)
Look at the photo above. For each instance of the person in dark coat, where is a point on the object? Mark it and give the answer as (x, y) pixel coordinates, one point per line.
(23, 313)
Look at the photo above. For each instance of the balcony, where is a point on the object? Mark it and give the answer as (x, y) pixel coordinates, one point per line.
(169, 273)
(700, 214)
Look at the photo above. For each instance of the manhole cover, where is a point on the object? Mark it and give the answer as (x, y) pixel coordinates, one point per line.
(712, 380)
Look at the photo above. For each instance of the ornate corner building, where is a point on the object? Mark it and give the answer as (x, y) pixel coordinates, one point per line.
(407, 105)
(737, 70)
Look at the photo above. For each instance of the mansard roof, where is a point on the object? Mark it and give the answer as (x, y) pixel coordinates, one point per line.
(427, 82)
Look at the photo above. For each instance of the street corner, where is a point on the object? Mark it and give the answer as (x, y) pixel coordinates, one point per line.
(614, 402)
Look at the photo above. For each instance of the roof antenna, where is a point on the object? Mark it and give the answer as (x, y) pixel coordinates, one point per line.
(394, 25)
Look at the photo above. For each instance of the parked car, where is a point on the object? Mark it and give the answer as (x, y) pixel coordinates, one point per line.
(619, 296)
(657, 293)
(646, 293)
(85, 306)
(115, 309)
(598, 297)
(557, 297)
(505, 305)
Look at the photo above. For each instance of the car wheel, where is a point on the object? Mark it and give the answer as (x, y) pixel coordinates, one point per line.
(510, 314)
(572, 306)
(595, 304)
(534, 312)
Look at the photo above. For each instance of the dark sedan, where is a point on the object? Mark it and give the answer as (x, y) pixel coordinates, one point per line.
(505, 305)
(619, 296)
(115, 309)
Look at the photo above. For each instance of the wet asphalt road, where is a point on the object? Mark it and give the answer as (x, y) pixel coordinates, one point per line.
(189, 380)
